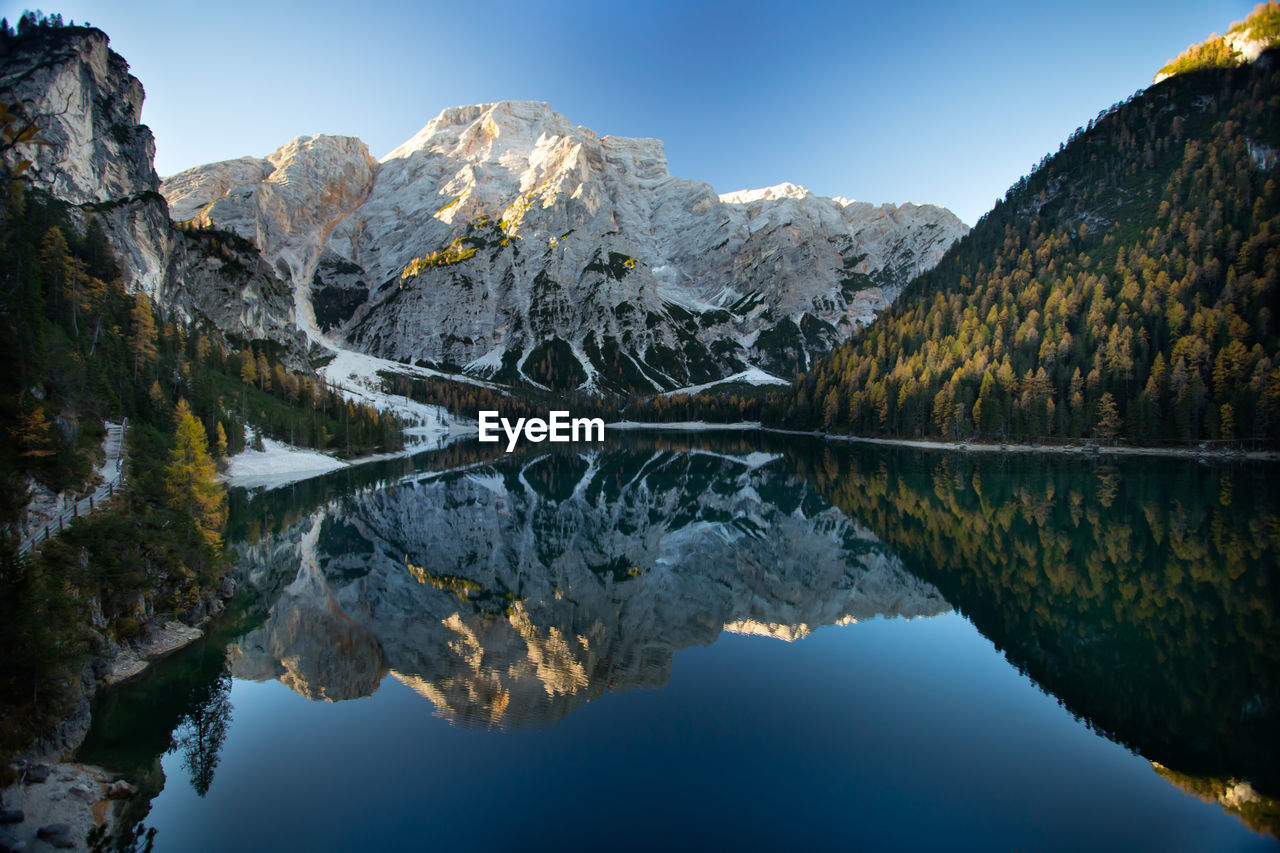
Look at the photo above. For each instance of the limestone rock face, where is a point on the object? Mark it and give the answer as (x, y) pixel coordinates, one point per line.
(88, 105)
(191, 191)
(546, 252)
(100, 162)
(1248, 45)
(286, 203)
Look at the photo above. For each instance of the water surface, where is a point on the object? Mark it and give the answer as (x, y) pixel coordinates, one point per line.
(712, 641)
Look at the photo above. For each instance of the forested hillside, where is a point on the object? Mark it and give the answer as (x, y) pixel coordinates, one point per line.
(1126, 289)
(81, 349)
(78, 349)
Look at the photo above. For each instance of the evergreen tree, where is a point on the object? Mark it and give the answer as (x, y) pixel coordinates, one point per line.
(220, 441)
(249, 370)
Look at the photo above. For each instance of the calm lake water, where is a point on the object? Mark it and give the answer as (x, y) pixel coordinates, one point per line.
(728, 641)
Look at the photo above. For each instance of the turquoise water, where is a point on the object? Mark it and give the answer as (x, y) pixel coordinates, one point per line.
(702, 642)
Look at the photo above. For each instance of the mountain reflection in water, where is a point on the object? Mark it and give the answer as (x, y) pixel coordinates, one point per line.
(510, 590)
(509, 594)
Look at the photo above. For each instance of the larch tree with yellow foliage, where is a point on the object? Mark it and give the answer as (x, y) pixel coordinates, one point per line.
(190, 478)
(142, 340)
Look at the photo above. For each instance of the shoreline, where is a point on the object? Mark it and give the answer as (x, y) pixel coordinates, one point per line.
(285, 464)
(305, 460)
(57, 798)
(1082, 449)
(1064, 449)
(684, 426)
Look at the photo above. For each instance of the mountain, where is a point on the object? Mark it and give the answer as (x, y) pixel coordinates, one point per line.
(506, 242)
(84, 103)
(1127, 288)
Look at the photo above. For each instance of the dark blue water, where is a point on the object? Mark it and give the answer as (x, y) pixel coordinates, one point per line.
(611, 703)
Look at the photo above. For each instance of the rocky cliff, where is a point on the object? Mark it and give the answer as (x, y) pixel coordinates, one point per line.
(99, 160)
(507, 242)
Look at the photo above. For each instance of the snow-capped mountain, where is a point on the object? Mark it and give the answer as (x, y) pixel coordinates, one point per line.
(505, 241)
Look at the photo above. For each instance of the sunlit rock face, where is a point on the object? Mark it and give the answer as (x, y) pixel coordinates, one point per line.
(509, 595)
(99, 160)
(286, 203)
(538, 231)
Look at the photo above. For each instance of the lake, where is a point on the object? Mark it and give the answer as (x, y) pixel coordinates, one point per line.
(728, 640)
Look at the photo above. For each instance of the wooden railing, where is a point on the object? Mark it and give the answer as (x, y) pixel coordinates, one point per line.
(114, 480)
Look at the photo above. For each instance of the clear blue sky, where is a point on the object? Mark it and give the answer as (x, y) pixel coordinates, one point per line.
(944, 102)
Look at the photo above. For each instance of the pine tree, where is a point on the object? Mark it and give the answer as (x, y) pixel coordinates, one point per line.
(263, 371)
(249, 369)
(57, 266)
(1226, 422)
(32, 434)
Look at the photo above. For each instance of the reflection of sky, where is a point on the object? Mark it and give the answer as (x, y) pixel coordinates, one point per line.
(891, 734)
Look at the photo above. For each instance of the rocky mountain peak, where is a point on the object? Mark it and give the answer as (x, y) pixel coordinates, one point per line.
(773, 193)
(501, 240)
(502, 127)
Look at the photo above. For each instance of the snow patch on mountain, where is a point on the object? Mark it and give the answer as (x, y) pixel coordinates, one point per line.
(777, 191)
(751, 376)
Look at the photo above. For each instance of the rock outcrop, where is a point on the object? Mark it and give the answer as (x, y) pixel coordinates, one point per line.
(99, 161)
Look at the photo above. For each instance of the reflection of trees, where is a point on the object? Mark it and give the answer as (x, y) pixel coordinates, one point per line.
(203, 729)
(181, 702)
(134, 725)
(1131, 590)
